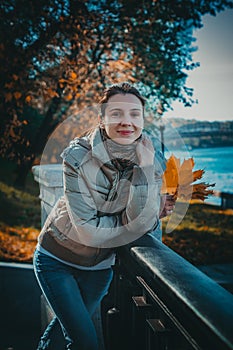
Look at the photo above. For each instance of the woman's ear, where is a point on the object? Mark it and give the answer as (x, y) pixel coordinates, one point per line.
(100, 120)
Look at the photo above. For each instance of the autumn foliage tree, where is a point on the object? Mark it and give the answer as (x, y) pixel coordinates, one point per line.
(56, 56)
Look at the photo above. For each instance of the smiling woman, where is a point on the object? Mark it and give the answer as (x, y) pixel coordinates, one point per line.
(112, 180)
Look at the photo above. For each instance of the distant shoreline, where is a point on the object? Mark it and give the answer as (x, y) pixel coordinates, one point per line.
(199, 134)
(189, 147)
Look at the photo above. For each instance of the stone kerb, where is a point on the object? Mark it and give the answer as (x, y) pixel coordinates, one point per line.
(49, 177)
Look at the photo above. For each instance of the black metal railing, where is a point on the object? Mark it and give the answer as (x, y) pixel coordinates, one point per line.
(161, 301)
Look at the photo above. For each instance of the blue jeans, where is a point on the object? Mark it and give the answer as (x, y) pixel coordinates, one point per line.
(73, 295)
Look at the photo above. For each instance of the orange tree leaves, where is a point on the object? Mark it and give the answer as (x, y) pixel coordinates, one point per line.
(65, 54)
(180, 180)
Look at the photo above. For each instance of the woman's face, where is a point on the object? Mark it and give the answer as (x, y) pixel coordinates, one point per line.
(123, 120)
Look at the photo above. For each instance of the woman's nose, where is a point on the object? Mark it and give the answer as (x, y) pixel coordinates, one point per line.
(126, 120)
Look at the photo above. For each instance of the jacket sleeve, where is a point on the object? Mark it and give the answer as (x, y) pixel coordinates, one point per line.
(141, 213)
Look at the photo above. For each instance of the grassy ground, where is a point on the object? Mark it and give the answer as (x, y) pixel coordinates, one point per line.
(19, 224)
(19, 216)
(204, 236)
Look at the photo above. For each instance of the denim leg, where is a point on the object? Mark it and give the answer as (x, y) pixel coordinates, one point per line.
(53, 337)
(73, 295)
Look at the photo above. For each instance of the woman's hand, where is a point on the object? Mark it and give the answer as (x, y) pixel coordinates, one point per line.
(145, 152)
(167, 205)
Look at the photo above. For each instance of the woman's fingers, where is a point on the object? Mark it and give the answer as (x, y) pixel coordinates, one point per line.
(167, 205)
(145, 152)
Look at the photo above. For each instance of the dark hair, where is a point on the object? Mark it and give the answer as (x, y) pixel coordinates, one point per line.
(123, 88)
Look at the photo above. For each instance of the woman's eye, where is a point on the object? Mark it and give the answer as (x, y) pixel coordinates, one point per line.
(135, 115)
(115, 114)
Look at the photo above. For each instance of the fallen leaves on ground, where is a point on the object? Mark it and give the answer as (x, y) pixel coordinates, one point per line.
(204, 236)
(17, 244)
(201, 248)
(19, 224)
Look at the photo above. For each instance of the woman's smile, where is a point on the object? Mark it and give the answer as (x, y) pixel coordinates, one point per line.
(125, 132)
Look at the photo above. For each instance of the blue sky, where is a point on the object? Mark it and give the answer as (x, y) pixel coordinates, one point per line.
(213, 80)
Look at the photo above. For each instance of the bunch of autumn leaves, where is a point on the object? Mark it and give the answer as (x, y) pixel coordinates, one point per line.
(179, 180)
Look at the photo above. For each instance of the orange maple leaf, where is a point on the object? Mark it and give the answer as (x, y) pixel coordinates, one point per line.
(178, 180)
(170, 176)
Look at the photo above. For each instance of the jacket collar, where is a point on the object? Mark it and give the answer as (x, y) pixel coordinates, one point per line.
(98, 149)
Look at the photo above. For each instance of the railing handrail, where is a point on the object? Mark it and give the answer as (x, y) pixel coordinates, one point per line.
(190, 294)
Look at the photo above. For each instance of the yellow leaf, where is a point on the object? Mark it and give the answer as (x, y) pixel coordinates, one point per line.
(73, 75)
(11, 132)
(28, 98)
(185, 172)
(17, 95)
(198, 174)
(15, 77)
(68, 97)
(8, 97)
(9, 85)
(179, 180)
(170, 176)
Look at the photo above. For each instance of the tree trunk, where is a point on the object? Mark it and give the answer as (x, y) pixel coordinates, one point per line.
(47, 127)
(22, 171)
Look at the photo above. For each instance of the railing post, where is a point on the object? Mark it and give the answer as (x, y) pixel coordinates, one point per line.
(50, 179)
(188, 309)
